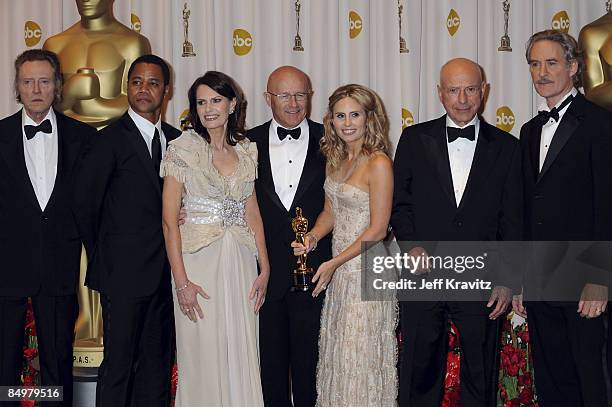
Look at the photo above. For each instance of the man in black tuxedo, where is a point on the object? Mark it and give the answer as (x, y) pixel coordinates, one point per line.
(567, 177)
(40, 245)
(291, 172)
(119, 212)
(457, 178)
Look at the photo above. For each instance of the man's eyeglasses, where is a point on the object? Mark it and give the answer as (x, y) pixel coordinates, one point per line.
(284, 97)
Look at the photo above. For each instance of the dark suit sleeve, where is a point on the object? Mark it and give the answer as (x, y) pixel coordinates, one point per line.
(402, 215)
(92, 179)
(510, 229)
(601, 168)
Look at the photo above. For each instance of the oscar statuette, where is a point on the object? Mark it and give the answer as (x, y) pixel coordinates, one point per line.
(402, 41)
(302, 275)
(297, 45)
(505, 39)
(187, 46)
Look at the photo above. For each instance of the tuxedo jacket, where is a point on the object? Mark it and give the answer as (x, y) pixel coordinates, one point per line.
(119, 211)
(570, 199)
(424, 207)
(309, 196)
(40, 249)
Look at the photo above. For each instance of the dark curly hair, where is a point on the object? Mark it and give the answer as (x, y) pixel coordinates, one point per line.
(225, 86)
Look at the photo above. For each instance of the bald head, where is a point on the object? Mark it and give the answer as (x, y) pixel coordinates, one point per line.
(461, 89)
(288, 80)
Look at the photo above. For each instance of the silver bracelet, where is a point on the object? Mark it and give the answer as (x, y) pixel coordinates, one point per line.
(181, 288)
(316, 240)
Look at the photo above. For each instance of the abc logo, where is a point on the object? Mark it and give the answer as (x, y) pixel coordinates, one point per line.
(355, 24)
(136, 24)
(407, 119)
(32, 33)
(561, 21)
(242, 41)
(453, 22)
(504, 118)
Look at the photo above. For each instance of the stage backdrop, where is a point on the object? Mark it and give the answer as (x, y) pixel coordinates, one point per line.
(344, 41)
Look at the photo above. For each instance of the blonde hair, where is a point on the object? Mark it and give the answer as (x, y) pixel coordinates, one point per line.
(376, 136)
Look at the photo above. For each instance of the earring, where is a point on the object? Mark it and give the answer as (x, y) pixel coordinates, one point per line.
(231, 110)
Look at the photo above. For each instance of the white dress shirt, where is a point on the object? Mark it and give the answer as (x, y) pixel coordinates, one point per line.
(460, 156)
(287, 160)
(40, 154)
(549, 129)
(147, 129)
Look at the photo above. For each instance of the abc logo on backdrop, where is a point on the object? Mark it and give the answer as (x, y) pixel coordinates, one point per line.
(561, 21)
(504, 118)
(407, 118)
(242, 42)
(453, 22)
(32, 33)
(355, 24)
(136, 24)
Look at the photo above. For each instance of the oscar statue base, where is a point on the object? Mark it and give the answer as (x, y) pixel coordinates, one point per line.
(505, 44)
(87, 353)
(188, 50)
(302, 280)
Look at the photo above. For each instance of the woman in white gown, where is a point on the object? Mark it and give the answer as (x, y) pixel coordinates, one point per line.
(211, 170)
(357, 343)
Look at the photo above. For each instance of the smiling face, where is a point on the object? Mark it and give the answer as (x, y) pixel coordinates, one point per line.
(290, 80)
(550, 72)
(349, 120)
(36, 87)
(461, 90)
(146, 90)
(213, 109)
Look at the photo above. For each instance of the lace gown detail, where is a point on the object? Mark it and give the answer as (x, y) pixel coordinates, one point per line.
(357, 343)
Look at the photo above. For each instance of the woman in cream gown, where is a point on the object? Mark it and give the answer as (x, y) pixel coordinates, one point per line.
(357, 344)
(211, 170)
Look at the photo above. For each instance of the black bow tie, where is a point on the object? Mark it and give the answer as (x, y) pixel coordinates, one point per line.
(468, 132)
(31, 131)
(283, 133)
(544, 115)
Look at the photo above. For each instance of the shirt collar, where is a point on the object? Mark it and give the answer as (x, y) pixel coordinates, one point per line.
(27, 120)
(544, 106)
(146, 127)
(303, 126)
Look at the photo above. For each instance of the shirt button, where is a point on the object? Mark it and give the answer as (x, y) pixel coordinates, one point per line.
(290, 162)
(290, 186)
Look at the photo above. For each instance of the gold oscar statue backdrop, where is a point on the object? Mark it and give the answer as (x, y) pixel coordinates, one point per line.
(95, 54)
(596, 42)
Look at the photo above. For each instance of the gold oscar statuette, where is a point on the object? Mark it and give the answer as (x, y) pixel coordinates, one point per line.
(297, 43)
(505, 39)
(402, 41)
(187, 46)
(302, 275)
(95, 54)
(595, 40)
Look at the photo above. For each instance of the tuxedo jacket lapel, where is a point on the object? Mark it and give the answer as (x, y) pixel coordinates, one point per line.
(570, 121)
(68, 146)
(534, 132)
(142, 151)
(436, 146)
(13, 154)
(485, 156)
(265, 168)
(309, 172)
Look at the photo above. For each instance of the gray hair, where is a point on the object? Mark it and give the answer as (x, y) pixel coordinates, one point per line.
(568, 44)
(40, 55)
